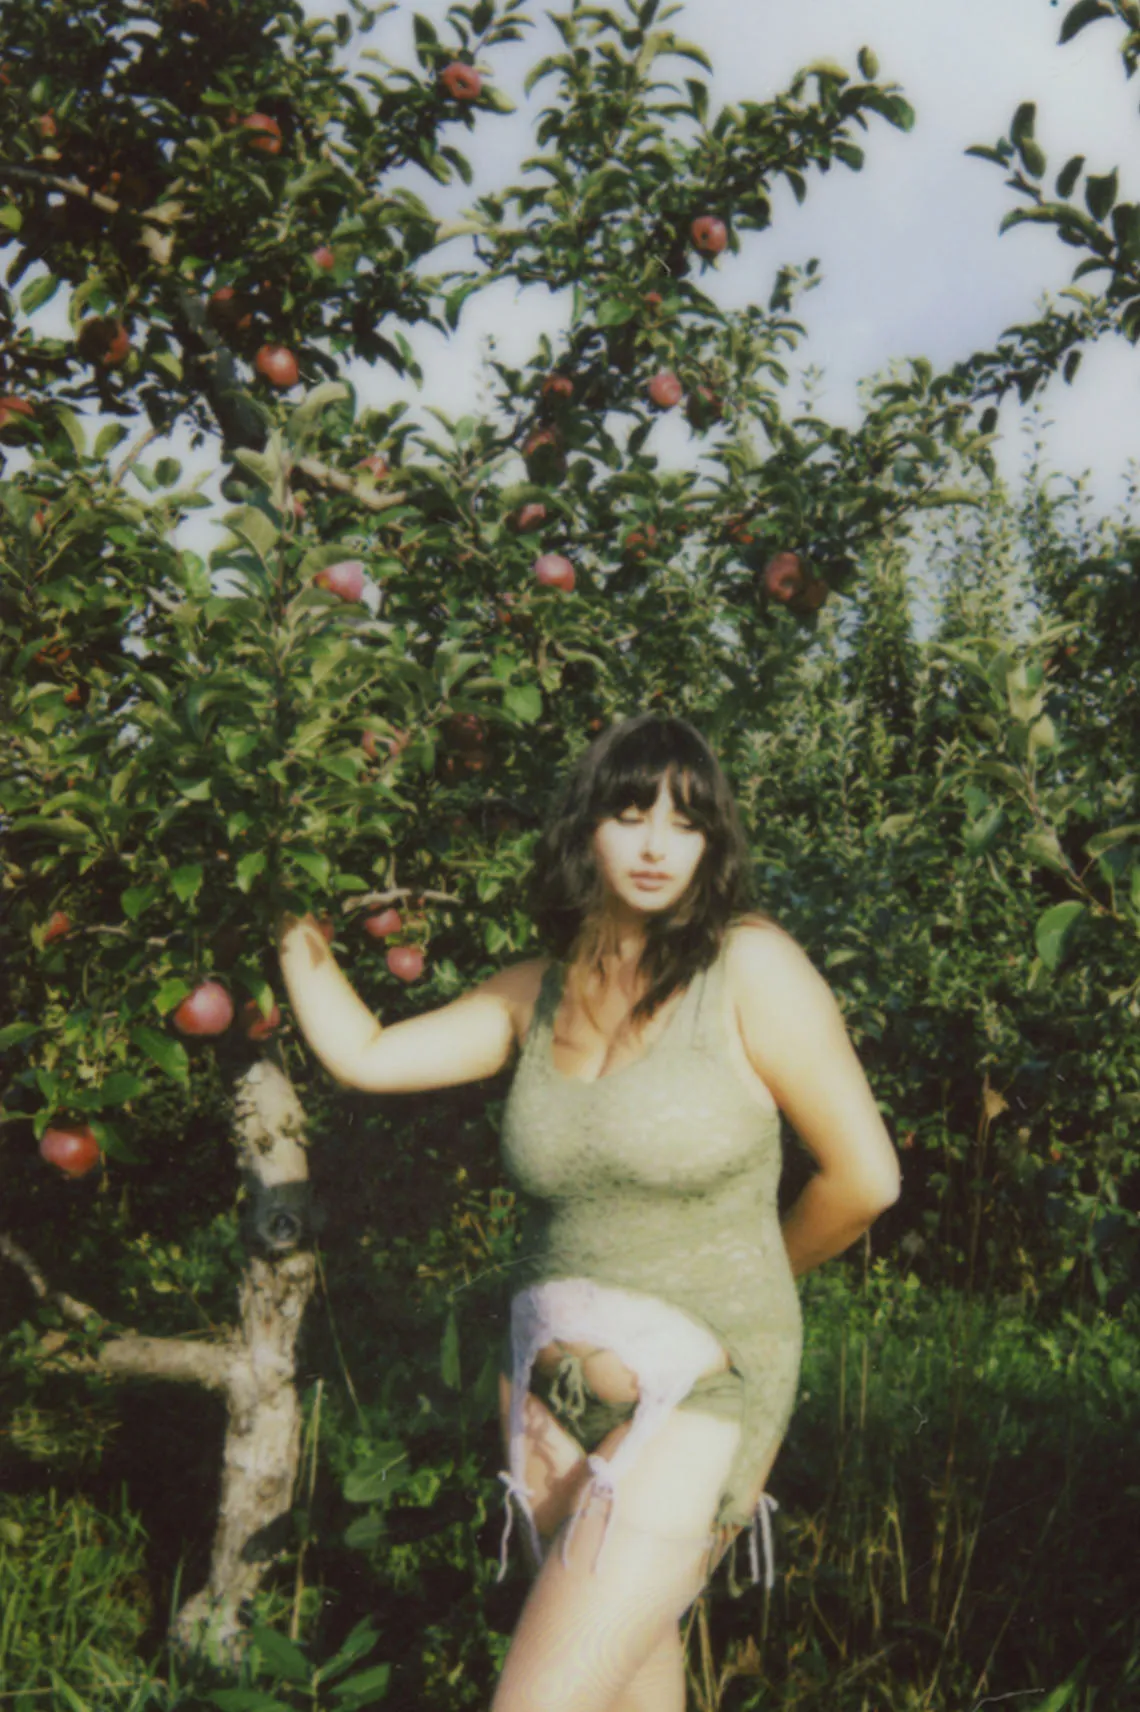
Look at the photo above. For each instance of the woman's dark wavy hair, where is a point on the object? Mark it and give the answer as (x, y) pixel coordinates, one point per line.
(623, 769)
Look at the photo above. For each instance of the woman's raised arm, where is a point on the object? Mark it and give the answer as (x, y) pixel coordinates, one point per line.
(796, 1040)
(461, 1042)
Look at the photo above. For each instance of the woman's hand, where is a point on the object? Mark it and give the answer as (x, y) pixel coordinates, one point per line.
(461, 1042)
(796, 1040)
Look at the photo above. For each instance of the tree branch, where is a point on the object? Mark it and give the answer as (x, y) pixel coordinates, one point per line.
(129, 1357)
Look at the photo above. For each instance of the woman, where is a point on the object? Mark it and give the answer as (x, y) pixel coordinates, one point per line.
(655, 1329)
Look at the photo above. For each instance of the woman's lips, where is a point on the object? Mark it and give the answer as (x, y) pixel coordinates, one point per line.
(650, 879)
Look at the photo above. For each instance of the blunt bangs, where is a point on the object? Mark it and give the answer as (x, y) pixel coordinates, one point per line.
(639, 755)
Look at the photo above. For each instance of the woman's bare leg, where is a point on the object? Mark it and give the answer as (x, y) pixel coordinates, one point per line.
(589, 1636)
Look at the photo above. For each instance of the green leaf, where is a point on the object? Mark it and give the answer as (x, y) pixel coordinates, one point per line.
(109, 437)
(1083, 13)
(317, 867)
(364, 1689)
(1100, 194)
(17, 1032)
(385, 1470)
(1024, 120)
(186, 882)
(868, 64)
(245, 1700)
(73, 428)
(285, 1660)
(1059, 1698)
(1068, 175)
(304, 416)
(250, 524)
(449, 1352)
(523, 702)
(614, 312)
(1108, 840)
(239, 744)
(1033, 158)
(136, 899)
(1052, 929)
(249, 867)
(341, 767)
(169, 1055)
(40, 291)
(120, 1087)
(170, 993)
(10, 217)
(361, 1640)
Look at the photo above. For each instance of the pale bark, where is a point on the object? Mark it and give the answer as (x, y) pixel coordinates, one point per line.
(252, 1365)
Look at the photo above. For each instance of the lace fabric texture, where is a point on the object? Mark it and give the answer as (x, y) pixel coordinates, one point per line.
(657, 1181)
(667, 1351)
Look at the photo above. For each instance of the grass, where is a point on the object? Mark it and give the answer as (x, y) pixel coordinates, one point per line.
(958, 1514)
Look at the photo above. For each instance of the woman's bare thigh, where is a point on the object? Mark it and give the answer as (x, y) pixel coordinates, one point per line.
(593, 1617)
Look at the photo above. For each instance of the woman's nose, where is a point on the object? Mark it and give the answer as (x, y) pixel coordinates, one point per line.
(652, 838)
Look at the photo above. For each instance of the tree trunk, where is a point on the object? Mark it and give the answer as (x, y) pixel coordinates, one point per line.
(252, 1365)
(263, 1425)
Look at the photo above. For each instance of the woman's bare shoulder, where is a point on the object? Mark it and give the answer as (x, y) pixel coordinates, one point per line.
(758, 949)
(518, 986)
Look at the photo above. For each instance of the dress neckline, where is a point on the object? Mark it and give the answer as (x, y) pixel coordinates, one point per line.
(634, 1063)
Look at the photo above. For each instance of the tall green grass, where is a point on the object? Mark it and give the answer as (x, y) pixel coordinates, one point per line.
(74, 1606)
(959, 1511)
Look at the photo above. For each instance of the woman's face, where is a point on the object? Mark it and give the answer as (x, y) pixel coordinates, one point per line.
(647, 857)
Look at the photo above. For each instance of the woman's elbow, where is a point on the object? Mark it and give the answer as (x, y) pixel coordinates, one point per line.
(882, 1190)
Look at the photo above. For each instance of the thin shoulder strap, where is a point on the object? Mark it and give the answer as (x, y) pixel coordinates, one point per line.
(545, 1006)
(708, 1010)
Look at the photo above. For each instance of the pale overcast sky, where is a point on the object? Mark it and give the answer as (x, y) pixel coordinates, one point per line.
(910, 252)
(911, 257)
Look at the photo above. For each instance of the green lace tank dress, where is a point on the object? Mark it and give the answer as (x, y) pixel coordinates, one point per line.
(660, 1179)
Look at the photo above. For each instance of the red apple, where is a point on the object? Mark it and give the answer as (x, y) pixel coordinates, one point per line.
(368, 743)
(703, 407)
(666, 390)
(375, 466)
(709, 234)
(207, 1010)
(73, 1151)
(103, 340)
(640, 541)
(255, 1024)
(553, 570)
(558, 386)
(528, 516)
(265, 133)
(76, 695)
(46, 125)
(227, 310)
(345, 579)
(118, 348)
(406, 962)
(278, 364)
(464, 731)
(783, 576)
(12, 407)
(542, 443)
(398, 742)
(323, 257)
(58, 923)
(462, 82)
(383, 925)
(653, 300)
(814, 596)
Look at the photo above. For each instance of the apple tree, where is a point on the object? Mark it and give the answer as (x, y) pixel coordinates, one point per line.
(355, 703)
